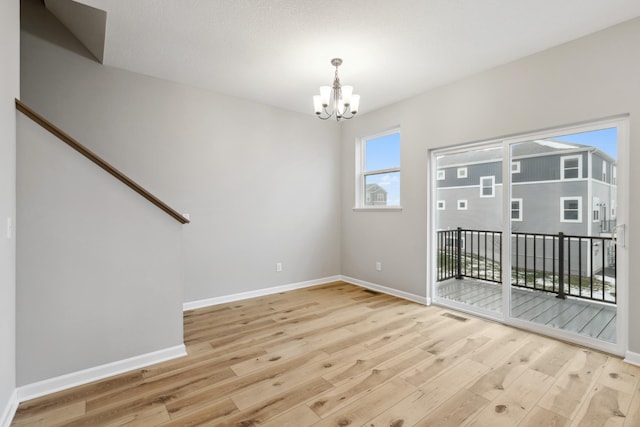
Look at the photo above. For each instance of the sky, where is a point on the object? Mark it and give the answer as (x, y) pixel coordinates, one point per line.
(384, 153)
(604, 139)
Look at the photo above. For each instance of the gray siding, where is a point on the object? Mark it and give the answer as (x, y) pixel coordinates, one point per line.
(474, 172)
(547, 168)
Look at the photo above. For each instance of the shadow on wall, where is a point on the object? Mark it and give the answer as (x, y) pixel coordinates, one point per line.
(40, 24)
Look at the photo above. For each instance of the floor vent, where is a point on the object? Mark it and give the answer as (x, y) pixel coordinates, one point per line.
(454, 317)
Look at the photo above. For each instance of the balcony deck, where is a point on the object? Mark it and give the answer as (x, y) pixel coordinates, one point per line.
(583, 317)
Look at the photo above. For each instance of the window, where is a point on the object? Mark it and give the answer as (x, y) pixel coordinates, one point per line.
(613, 208)
(604, 171)
(462, 205)
(440, 175)
(462, 172)
(441, 205)
(570, 209)
(596, 209)
(571, 167)
(487, 184)
(515, 167)
(379, 170)
(516, 209)
(614, 173)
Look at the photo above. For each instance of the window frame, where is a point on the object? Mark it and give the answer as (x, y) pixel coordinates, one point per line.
(604, 171)
(440, 175)
(463, 202)
(462, 173)
(439, 203)
(515, 163)
(520, 213)
(563, 168)
(595, 209)
(562, 209)
(362, 173)
(493, 186)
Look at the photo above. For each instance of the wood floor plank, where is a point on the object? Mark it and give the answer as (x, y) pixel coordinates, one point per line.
(514, 403)
(454, 411)
(337, 355)
(572, 385)
(429, 396)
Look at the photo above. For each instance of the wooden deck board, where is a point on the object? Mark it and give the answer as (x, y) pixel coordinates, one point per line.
(339, 355)
(592, 319)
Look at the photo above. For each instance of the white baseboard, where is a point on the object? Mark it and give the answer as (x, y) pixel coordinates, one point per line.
(385, 290)
(632, 358)
(63, 382)
(257, 293)
(6, 417)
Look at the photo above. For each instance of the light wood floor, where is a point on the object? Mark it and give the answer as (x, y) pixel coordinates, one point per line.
(339, 355)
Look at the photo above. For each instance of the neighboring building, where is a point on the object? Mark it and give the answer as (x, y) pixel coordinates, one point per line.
(556, 187)
(375, 195)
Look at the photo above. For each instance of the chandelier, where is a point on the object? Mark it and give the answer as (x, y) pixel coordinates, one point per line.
(337, 100)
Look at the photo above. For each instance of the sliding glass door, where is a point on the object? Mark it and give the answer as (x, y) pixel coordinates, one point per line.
(530, 231)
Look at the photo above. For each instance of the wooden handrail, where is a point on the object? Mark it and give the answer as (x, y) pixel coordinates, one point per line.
(64, 137)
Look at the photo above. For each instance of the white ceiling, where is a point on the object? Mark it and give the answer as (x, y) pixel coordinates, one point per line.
(278, 52)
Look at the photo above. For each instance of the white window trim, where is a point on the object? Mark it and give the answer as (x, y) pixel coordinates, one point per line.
(563, 159)
(614, 172)
(441, 204)
(520, 214)
(576, 221)
(604, 171)
(493, 186)
(462, 173)
(595, 209)
(515, 169)
(463, 202)
(361, 174)
(440, 175)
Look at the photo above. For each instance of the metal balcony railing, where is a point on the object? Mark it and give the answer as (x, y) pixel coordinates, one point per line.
(576, 266)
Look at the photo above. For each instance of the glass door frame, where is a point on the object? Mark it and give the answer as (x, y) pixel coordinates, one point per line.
(621, 123)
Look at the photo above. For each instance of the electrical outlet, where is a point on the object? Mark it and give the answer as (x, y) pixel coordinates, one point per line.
(278, 267)
(378, 266)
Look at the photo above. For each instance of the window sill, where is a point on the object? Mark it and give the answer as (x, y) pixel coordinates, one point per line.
(378, 209)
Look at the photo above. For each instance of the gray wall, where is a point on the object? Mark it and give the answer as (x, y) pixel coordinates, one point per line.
(9, 90)
(261, 184)
(99, 277)
(590, 78)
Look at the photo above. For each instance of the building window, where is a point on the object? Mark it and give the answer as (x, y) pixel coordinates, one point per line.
(515, 167)
(570, 209)
(613, 208)
(379, 170)
(441, 205)
(604, 171)
(462, 205)
(571, 167)
(487, 186)
(614, 173)
(596, 209)
(462, 172)
(440, 175)
(516, 209)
